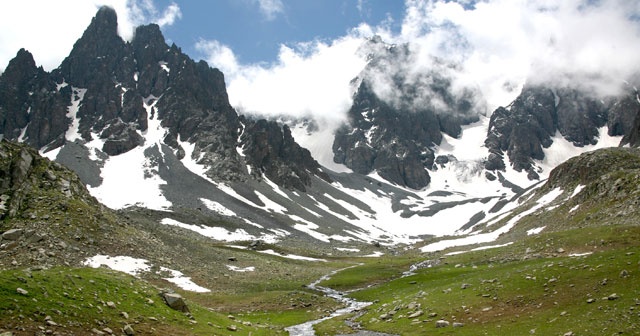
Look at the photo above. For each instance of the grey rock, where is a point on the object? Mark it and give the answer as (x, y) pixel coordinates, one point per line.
(128, 330)
(22, 291)
(175, 301)
(442, 324)
(458, 324)
(12, 234)
(415, 314)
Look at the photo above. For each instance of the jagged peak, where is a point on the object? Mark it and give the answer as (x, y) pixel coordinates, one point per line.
(149, 34)
(106, 20)
(21, 68)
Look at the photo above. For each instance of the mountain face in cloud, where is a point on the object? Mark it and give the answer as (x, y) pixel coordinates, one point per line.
(398, 116)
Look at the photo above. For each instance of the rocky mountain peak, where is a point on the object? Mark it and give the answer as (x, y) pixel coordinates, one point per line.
(148, 44)
(399, 114)
(21, 68)
(528, 125)
(99, 52)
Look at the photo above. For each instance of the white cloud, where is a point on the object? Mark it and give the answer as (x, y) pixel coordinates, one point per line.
(496, 45)
(48, 29)
(270, 8)
(309, 79)
(502, 43)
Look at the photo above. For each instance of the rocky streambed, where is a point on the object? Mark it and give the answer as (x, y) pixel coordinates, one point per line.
(351, 305)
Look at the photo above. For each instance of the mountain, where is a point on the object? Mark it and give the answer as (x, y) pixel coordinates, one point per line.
(395, 136)
(146, 127)
(541, 113)
(168, 183)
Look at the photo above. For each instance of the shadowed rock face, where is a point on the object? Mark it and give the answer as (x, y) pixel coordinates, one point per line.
(269, 147)
(526, 126)
(115, 85)
(395, 137)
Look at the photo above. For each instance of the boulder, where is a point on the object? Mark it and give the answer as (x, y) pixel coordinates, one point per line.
(442, 324)
(175, 301)
(13, 234)
(128, 330)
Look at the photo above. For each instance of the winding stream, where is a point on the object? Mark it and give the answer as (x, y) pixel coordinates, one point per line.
(306, 329)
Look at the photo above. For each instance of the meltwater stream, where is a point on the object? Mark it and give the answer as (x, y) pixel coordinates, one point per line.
(306, 329)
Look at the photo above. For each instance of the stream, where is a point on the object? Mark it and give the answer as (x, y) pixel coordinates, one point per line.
(306, 329)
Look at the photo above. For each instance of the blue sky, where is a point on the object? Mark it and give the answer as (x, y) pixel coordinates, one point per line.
(253, 29)
(255, 34)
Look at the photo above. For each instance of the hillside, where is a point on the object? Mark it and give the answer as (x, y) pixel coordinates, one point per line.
(567, 267)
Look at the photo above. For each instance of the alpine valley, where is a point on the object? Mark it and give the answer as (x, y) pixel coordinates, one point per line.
(443, 216)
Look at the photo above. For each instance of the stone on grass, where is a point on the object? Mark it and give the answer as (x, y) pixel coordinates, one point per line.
(442, 324)
(415, 314)
(128, 330)
(175, 301)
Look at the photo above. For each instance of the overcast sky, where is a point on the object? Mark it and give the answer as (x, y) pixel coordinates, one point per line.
(297, 57)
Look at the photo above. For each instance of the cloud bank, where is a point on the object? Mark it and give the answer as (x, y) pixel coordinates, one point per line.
(54, 26)
(495, 46)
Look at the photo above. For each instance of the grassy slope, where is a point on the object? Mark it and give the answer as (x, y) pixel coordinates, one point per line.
(513, 292)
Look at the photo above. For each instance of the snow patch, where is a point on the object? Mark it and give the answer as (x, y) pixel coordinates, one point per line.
(241, 269)
(222, 234)
(72, 113)
(345, 249)
(164, 66)
(290, 256)
(217, 207)
(577, 190)
(491, 236)
(375, 254)
(561, 150)
(580, 254)
(137, 266)
(140, 185)
(535, 231)
(480, 248)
